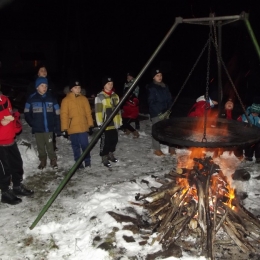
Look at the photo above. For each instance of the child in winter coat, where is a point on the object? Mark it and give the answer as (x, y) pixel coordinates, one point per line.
(198, 109)
(130, 78)
(105, 102)
(42, 113)
(41, 71)
(130, 114)
(11, 164)
(76, 121)
(253, 114)
(159, 101)
(227, 111)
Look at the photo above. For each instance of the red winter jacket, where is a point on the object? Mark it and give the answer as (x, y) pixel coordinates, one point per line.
(131, 108)
(198, 109)
(8, 132)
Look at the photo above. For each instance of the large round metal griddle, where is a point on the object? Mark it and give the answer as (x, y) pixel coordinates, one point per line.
(189, 132)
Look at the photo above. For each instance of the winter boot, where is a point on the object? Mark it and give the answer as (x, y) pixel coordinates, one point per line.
(111, 157)
(127, 132)
(81, 166)
(105, 161)
(172, 151)
(43, 164)
(10, 198)
(158, 153)
(87, 165)
(22, 191)
(53, 163)
(135, 134)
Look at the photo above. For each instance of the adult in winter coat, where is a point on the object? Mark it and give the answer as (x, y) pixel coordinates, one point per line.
(76, 121)
(130, 78)
(159, 101)
(105, 103)
(130, 112)
(11, 164)
(42, 113)
(253, 113)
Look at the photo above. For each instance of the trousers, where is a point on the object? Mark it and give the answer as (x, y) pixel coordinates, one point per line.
(79, 143)
(108, 142)
(11, 166)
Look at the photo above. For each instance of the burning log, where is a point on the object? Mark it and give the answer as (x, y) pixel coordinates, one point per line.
(198, 199)
(201, 197)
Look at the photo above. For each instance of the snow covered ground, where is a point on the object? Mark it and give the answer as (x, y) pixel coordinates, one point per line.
(77, 226)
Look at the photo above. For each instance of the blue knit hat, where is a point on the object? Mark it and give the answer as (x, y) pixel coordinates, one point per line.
(255, 108)
(41, 80)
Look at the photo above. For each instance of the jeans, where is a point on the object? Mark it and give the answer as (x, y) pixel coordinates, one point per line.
(79, 142)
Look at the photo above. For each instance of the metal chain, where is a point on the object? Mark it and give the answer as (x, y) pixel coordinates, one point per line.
(217, 53)
(207, 89)
(186, 80)
(231, 82)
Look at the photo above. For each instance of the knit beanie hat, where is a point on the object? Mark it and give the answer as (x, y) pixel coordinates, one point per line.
(155, 72)
(105, 80)
(255, 108)
(74, 83)
(41, 80)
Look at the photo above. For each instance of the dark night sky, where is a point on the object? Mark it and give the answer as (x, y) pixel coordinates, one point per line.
(109, 37)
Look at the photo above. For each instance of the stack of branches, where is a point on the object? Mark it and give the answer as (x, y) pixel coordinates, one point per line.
(199, 198)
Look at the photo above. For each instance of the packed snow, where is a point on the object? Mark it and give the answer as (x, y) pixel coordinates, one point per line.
(77, 224)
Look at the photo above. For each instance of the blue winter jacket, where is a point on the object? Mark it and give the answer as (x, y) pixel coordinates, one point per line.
(42, 113)
(255, 120)
(159, 99)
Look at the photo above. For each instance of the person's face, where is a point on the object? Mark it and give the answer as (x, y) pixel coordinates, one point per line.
(108, 87)
(255, 114)
(76, 90)
(42, 89)
(158, 77)
(42, 72)
(128, 78)
(229, 105)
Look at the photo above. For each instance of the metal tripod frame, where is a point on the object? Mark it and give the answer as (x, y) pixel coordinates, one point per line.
(222, 20)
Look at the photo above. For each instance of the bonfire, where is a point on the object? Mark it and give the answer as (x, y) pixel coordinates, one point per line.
(197, 201)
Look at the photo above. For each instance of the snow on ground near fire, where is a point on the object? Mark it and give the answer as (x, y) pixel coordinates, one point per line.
(77, 219)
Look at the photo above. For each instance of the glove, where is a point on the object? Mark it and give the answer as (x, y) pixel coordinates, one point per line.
(160, 116)
(5, 122)
(164, 115)
(65, 134)
(167, 114)
(90, 131)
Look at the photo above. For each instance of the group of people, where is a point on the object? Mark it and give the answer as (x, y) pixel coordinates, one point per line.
(252, 114)
(48, 119)
(73, 118)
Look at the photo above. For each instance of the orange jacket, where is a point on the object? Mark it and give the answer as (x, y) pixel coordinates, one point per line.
(75, 114)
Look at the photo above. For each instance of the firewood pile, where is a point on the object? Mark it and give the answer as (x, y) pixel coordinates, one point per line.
(199, 199)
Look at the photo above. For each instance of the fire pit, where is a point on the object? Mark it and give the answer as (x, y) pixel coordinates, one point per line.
(189, 132)
(196, 202)
(200, 197)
